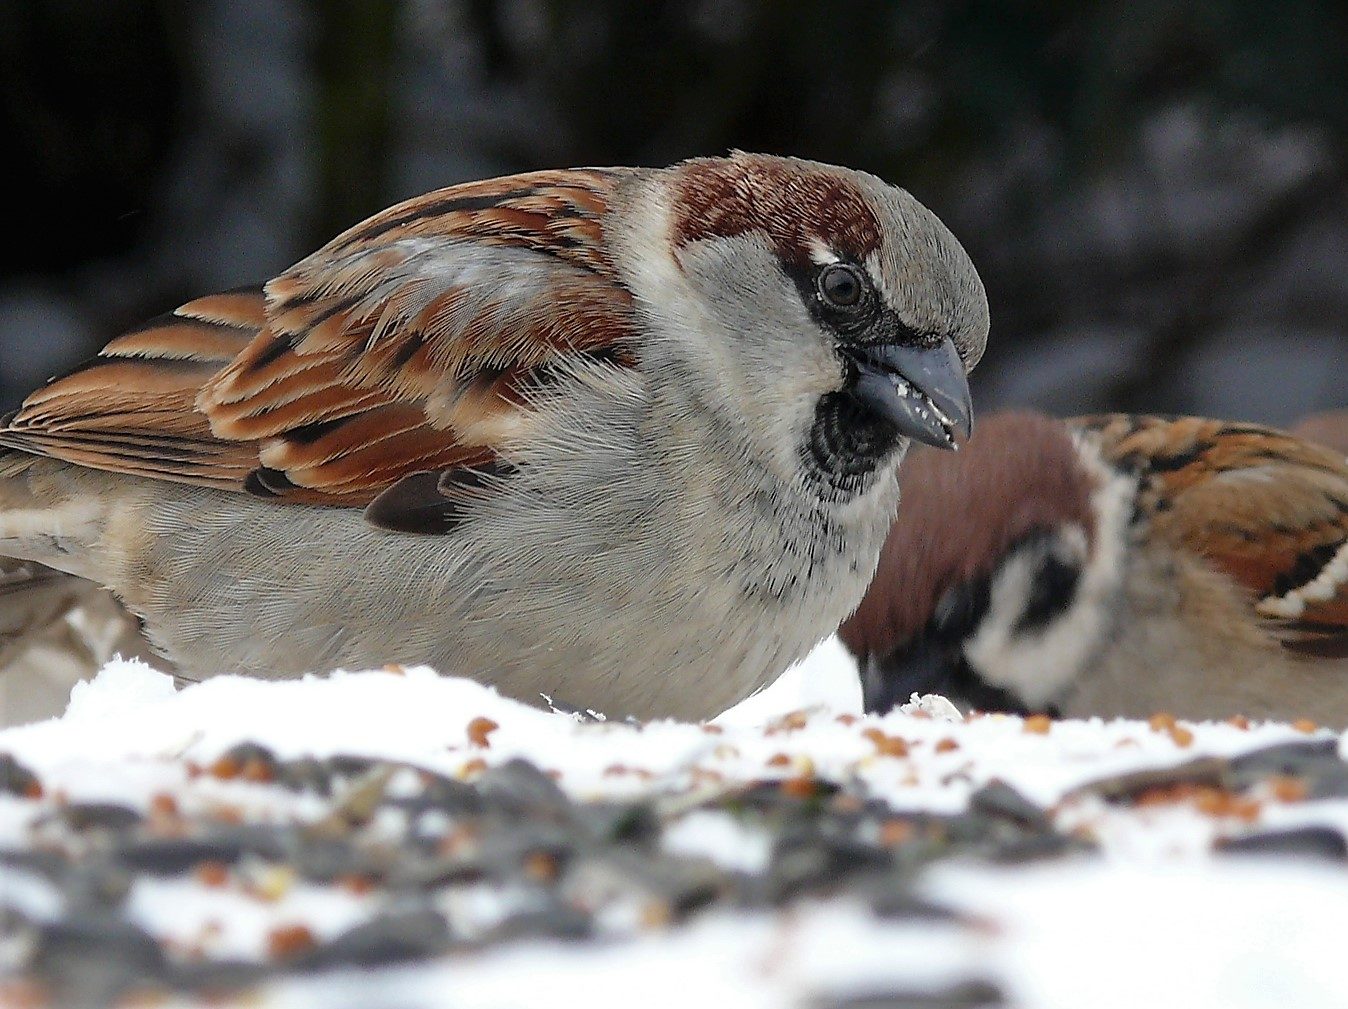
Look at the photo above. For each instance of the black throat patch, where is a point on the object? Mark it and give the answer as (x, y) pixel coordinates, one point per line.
(846, 443)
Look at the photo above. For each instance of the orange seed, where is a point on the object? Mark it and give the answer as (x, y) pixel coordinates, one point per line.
(479, 729)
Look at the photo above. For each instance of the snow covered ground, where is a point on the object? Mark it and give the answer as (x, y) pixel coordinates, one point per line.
(834, 860)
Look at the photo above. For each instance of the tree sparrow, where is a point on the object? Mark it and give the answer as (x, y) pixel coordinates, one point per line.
(1116, 566)
(626, 437)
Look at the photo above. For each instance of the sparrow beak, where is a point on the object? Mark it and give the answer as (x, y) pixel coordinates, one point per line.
(924, 667)
(887, 682)
(922, 391)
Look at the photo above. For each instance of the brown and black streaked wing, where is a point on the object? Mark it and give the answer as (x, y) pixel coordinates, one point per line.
(409, 344)
(1269, 509)
(132, 408)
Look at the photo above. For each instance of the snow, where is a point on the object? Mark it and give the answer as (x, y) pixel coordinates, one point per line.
(826, 678)
(1155, 919)
(1238, 934)
(749, 962)
(711, 835)
(233, 923)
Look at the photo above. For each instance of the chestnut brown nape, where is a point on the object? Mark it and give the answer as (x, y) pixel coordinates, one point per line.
(958, 515)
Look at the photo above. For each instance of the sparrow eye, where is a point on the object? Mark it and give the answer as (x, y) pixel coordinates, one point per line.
(841, 285)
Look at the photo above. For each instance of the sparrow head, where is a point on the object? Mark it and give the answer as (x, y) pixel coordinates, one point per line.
(801, 294)
(995, 581)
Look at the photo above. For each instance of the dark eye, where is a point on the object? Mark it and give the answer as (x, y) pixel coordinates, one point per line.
(841, 285)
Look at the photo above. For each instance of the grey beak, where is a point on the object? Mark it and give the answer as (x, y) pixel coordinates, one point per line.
(924, 667)
(889, 681)
(923, 391)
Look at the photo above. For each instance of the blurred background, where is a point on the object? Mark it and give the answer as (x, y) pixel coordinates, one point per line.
(1155, 193)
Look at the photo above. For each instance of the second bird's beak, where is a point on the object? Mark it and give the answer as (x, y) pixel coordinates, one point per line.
(890, 681)
(926, 667)
(922, 391)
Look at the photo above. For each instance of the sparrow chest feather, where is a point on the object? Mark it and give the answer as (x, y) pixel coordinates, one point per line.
(716, 568)
(539, 592)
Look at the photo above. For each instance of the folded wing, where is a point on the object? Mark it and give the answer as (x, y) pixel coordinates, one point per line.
(410, 344)
(1269, 509)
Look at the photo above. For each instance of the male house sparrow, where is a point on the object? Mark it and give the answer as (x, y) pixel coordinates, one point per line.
(1116, 566)
(625, 437)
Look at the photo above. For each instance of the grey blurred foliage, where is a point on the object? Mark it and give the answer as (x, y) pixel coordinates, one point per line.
(1155, 193)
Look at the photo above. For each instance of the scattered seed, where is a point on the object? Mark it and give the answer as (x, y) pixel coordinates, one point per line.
(1162, 721)
(792, 721)
(885, 745)
(1037, 724)
(290, 941)
(1180, 736)
(798, 787)
(1221, 804)
(226, 768)
(1315, 841)
(998, 799)
(212, 874)
(99, 816)
(393, 938)
(1130, 784)
(895, 832)
(257, 770)
(479, 729)
(354, 883)
(656, 914)
(1287, 789)
(541, 866)
(271, 883)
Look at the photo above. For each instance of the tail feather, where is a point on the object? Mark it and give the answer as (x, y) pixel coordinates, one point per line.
(55, 630)
(32, 598)
(132, 407)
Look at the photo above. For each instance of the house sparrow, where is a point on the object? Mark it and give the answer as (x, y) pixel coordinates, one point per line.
(1116, 566)
(625, 437)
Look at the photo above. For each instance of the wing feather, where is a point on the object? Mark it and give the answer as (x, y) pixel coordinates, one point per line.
(1268, 508)
(411, 343)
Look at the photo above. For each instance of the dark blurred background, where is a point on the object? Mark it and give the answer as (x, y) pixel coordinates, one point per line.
(1156, 193)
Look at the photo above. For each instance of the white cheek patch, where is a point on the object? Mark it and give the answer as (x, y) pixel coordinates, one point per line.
(877, 275)
(1038, 663)
(821, 254)
(1320, 589)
